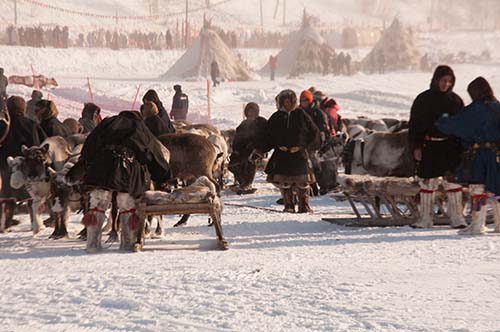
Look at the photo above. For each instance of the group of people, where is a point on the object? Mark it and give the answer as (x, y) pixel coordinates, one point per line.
(297, 132)
(119, 155)
(454, 145)
(56, 37)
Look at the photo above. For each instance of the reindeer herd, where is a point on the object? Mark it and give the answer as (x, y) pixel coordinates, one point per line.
(47, 172)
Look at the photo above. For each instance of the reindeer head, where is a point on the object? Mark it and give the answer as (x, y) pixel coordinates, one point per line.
(37, 160)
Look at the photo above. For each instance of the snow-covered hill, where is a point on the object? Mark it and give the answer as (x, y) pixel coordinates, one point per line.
(227, 13)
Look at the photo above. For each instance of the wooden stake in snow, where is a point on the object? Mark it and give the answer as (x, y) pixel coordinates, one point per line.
(208, 101)
(91, 96)
(135, 98)
(35, 83)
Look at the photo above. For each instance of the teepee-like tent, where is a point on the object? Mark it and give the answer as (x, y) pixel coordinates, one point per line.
(305, 52)
(395, 50)
(195, 63)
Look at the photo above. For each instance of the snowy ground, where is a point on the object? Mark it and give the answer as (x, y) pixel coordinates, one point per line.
(283, 272)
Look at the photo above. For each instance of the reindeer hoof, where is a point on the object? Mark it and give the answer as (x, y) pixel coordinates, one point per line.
(49, 222)
(112, 237)
(137, 247)
(58, 236)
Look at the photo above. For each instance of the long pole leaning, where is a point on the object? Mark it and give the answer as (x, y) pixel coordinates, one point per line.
(208, 103)
(15, 12)
(91, 95)
(135, 98)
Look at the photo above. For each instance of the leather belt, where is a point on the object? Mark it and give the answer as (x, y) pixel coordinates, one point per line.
(435, 139)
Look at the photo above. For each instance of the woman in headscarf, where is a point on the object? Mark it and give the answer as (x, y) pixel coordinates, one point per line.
(152, 96)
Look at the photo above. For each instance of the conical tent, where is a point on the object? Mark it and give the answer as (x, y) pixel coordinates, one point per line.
(395, 51)
(195, 63)
(304, 53)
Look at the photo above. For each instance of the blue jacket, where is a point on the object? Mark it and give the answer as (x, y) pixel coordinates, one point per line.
(479, 122)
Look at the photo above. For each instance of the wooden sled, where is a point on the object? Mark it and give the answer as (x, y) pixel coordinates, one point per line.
(212, 205)
(388, 202)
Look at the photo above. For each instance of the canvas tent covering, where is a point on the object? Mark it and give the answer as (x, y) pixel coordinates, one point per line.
(195, 63)
(303, 54)
(395, 51)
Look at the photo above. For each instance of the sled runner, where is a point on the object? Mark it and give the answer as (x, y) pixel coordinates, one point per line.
(381, 201)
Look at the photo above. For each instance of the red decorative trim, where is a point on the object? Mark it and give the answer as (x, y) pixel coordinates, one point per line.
(89, 219)
(133, 221)
(455, 190)
(478, 201)
(426, 191)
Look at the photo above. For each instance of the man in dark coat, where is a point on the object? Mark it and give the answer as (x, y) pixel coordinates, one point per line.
(46, 111)
(22, 131)
(149, 112)
(3, 88)
(214, 72)
(90, 117)
(436, 153)
(120, 154)
(180, 104)
(152, 96)
(247, 138)
(36, 96)
(291, 133)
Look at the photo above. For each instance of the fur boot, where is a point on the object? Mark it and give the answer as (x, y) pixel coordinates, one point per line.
(94, 232)
(426, 208)
(303, 196)
(479, 208)
(95, 217)
(129, 222)
(455, 206)
(288, 200)
(496, 214)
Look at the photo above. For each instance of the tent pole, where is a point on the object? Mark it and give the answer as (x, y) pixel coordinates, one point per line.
(185, 35)
(208, 101)
(261, 15)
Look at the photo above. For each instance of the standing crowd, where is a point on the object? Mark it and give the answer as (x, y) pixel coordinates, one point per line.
(453, 145)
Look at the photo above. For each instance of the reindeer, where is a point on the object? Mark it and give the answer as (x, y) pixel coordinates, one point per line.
(37, 169)
(39, 81)
(191, 156)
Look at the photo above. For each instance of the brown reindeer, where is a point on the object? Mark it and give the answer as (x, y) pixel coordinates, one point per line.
(39, 81)
(191, 156)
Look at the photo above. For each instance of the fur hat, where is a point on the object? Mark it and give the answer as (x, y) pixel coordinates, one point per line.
(36, 94)
(319, 95)
(306, 94)
(151, 95)
(251, 107)
(178, 87)
(286, 94)
(89, 110)
(149, 109)
(16, 105)
(440, 72)
(73, 126)
(47, 109)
